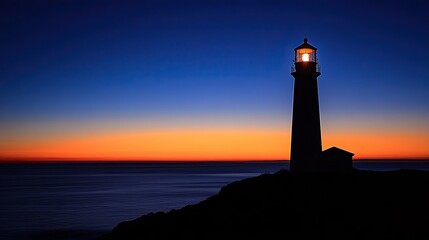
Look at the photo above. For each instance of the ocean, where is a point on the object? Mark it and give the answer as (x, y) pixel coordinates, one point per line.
(78, 201)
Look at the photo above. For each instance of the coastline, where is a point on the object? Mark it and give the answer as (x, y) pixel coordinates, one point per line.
(359, 205)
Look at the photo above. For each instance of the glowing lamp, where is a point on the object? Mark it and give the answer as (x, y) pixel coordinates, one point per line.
(305, 57)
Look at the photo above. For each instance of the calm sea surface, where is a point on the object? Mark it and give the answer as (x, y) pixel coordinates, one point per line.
(80, 201)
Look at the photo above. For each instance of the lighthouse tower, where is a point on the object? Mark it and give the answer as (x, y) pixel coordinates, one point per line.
(306, 145)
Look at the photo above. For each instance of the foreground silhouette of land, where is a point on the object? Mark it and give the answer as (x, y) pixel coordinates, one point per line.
(356, 205)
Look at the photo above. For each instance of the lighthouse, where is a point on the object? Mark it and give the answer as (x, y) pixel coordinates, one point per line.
(306, 143)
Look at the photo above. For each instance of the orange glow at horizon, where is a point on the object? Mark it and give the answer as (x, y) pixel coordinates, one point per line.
(209, 144)
(190, 145)
(382, 146)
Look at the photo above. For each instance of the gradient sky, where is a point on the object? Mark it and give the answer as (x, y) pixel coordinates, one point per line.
(208, 80)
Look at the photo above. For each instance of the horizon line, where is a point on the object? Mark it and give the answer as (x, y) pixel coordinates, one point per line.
(69, 160)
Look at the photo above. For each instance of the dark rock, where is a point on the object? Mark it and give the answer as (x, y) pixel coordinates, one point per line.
(355, 205)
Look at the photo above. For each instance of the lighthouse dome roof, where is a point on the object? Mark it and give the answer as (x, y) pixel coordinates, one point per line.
(305, 45)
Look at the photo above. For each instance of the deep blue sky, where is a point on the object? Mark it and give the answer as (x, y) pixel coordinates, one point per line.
(80, 60)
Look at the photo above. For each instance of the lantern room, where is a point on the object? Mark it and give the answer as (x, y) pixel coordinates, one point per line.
(305, 53)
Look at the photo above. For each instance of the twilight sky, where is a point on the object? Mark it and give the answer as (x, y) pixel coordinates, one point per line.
(208, 80)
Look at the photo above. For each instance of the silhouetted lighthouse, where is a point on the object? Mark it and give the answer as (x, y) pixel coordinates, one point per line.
(306, 146)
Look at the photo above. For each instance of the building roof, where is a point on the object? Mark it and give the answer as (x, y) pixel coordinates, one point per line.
(305, 45)
(337, 150)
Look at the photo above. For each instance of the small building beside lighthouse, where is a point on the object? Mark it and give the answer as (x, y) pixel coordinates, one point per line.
(306, 141)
